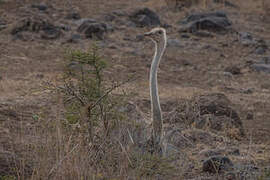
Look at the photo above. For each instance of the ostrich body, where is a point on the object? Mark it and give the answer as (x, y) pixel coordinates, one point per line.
(158, 36)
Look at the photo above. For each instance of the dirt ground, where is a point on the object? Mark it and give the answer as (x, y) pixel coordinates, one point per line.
(185, 71)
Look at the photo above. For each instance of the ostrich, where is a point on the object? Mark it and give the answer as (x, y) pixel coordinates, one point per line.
(158, 36)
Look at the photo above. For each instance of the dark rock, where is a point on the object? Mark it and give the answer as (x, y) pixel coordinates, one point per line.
(199, 16)
(226, 3)
(145, 17)
(73, 16)
(246, 39)
(247, 91)
(234, 151)
(217, 164)
(196, 136)
(174, 43)
(50, 32)
(166, 26)
(214, 22)
(109, 17)
(119, 13)
(216, 113)
(2, 25)
(261, 47)
(139, 37)
(6, 113)
(37, 25)
(177, 139)
(64, 27)
(93, 29)
(41, 7)
(203, 34)
(263, 65)
(250, 116)
(217, 104)
(7, 163)
(185, 36)
(210, 152)
(233, 69)
(260, 50)
(74, 38)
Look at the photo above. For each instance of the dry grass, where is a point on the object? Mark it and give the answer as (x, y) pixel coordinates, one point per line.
(56, 151)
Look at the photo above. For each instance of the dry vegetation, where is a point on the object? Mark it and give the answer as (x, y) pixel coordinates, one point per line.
(68, 111)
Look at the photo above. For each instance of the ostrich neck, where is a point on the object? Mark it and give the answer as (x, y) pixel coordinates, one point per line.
(155, 105)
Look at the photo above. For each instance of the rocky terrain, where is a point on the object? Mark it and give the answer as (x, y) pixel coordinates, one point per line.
(213, 82)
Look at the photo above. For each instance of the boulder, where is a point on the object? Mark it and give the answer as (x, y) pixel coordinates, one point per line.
(36, 25)
(217, 114)
(217, 164)
(262, 66)
(217, 22)
(145, 17)
(93, 29)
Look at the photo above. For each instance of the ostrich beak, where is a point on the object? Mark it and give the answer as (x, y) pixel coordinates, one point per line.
(147, 34)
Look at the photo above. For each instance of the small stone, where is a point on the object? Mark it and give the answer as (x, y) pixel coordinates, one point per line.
(260, 50)
(250, 116)
(41, 7)
(233, 69)
(145, 17)
(74, 38)
(174, 43)
(217, 164)
(185, 36)
(94, 29)
(73, 15)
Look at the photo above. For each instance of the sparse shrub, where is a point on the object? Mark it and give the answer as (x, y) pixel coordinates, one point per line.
(86, 97)
(152, 166)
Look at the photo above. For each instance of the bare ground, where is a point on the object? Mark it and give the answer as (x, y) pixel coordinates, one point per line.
(25, 66)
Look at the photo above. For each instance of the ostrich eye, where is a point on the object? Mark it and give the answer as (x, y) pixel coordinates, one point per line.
(159, 32)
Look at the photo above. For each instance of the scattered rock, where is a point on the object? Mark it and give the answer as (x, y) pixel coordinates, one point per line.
(6, 113)
(177, 139)
(250, 116)
(263, 65)
(216, 113)
(93, 29)
(174, 43)
(203, 34)
(234, 151)
(217, 164)
(213, 22)
(36, 25)
(8, 162)
(261, 47)
(41, 7)
(217, 104)
(119, 13)
(2, 25)
(50, 32)
(226, 3)
(73, 16)
(109, 17)
(145, 17)
(246, 38)
(210, 152)
(233, 69)
(75, 38)
(196, 136)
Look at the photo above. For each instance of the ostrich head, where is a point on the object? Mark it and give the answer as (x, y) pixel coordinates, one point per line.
(157, 34)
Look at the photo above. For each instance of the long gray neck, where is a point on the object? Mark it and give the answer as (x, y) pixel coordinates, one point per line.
(155, 105)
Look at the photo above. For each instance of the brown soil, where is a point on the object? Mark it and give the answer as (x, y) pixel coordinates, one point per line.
(26, 66)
